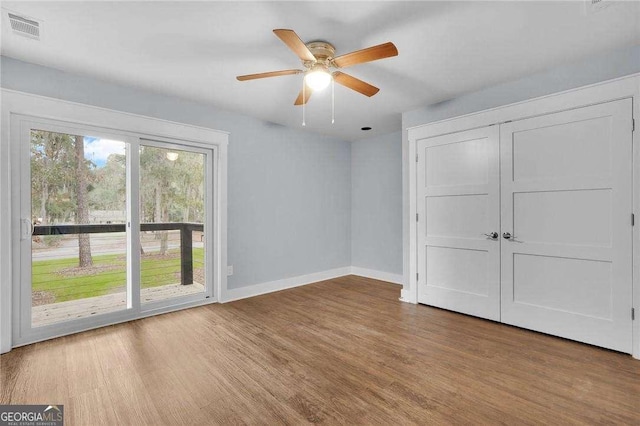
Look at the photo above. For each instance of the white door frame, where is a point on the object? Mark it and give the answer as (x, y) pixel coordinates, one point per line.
(620, 88)
(17, 105)
(21, 127)
(210, 214)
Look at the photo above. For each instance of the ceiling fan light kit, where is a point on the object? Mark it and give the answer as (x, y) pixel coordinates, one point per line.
(318, 58)
(317, 78)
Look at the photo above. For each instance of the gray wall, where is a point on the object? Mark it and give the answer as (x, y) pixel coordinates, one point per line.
(376, 203)
(289, 192)
(298, 202)
(607, 66)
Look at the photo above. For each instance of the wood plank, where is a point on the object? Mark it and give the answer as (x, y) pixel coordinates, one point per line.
(340, 351)
(63, 311)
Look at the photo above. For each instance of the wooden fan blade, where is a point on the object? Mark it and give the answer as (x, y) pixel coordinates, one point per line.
(355, 84)
(381, 51)
(303, 99)
(268, 74)
(291, 39)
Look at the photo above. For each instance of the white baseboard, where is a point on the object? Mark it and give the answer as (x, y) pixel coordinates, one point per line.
(405, 296)
(377, 275)
(277, 285)
(271, 286)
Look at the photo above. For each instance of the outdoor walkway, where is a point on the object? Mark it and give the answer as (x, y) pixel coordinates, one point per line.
(63, 311)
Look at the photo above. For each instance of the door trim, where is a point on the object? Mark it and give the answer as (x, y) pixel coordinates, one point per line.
(620, 88)
(28, 106)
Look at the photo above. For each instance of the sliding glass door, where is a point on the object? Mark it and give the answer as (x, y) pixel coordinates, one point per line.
(77, 216)
(172, 221)
(112, 226)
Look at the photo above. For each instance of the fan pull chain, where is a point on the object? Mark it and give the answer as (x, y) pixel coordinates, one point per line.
(333, 101)
(304, 104)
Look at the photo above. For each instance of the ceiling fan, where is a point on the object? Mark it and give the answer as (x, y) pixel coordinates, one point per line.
(318, 58)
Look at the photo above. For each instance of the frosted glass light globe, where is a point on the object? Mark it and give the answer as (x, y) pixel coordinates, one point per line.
(317, 79)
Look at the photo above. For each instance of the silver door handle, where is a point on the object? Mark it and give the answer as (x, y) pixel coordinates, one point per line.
(493, 235)
(508, 236)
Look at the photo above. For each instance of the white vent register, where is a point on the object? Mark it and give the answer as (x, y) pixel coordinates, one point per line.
(24, 26)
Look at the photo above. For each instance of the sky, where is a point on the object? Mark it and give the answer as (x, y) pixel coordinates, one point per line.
(98, 150)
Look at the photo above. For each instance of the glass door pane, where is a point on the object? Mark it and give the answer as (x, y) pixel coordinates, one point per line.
(78, 215)
(172, 222)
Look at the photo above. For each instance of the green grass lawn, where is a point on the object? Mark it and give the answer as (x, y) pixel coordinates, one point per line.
(62, 278)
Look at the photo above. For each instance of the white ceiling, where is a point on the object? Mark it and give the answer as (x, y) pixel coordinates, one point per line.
(194, 50)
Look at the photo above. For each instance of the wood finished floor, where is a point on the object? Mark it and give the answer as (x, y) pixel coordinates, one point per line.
(343, 351)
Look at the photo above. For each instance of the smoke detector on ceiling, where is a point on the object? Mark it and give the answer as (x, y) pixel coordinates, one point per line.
(23, 26)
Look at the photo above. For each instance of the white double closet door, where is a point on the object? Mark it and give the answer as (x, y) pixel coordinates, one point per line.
(529, 223)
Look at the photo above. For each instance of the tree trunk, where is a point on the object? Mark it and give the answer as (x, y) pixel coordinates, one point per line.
(43, 203)
(82, 210)
(143, 216)
(158, 217)
(164, 237)
(185, 210)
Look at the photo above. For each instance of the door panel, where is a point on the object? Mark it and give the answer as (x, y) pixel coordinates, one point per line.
(458, 202)
(547, 152)
(549, 217)
(552, 283)
(78, 245)
(457, 162)
(566, 197)
(172, 222)
(445, 271)
(456, 216)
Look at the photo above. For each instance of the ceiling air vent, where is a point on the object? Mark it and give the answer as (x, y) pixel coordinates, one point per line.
(24, 27)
